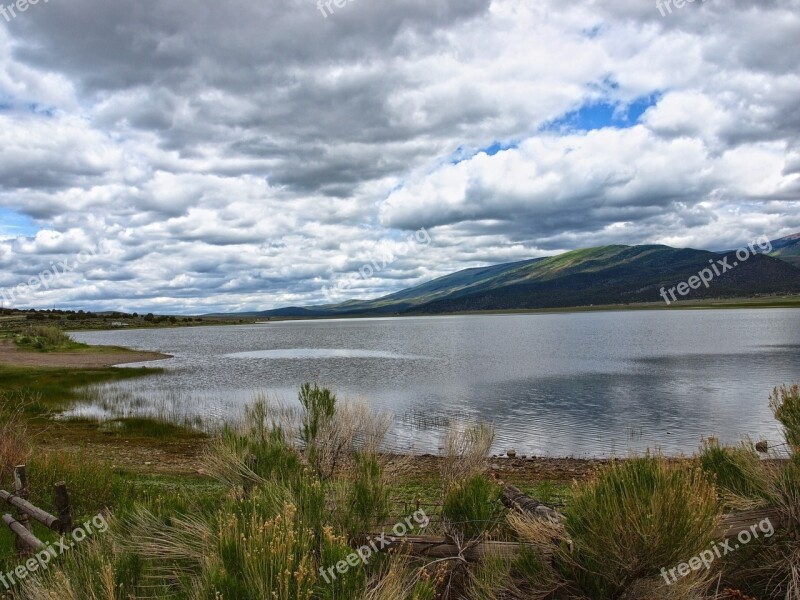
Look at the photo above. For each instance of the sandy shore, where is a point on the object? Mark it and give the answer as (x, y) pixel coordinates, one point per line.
(97, 357)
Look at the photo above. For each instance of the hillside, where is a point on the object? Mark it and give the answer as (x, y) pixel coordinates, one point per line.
(787, 249)
(592, 276)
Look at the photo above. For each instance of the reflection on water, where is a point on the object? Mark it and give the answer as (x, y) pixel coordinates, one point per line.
(300, 353)
(561, 384)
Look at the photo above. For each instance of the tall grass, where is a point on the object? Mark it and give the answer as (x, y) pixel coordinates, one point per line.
(639, 516)
(466, 450)
(472, 508)
(785, 404)
(737, 473)
(14, 446)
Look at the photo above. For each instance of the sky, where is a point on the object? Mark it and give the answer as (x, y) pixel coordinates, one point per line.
(194, 157)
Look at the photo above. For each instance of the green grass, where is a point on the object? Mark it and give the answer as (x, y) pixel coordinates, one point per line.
(58, 385)
(41, 338)
(130, 428)
(637, 517)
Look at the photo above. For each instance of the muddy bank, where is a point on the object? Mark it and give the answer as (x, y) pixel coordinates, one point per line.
(94, 357)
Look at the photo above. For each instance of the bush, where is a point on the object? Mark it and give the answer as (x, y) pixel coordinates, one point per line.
(473, 507)
(737, 472)
(785, 404)
(45, 338)
(637, 517)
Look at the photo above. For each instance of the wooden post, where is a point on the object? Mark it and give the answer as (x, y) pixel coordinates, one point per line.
(21, 490)
(62, 507)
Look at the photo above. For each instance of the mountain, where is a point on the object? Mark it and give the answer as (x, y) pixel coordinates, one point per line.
(592, 276)
(787, 249)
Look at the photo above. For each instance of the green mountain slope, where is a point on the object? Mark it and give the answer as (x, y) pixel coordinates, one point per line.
(603, 275)
(787, 249)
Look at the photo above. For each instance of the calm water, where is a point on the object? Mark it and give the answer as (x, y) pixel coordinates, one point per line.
(560, 385)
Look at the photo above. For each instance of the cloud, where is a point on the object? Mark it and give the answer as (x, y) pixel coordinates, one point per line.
(242, 155)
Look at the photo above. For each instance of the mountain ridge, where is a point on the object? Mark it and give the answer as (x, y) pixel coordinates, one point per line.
(613, 274)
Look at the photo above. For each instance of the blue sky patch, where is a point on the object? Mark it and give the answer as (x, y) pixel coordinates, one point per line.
(599, 115)
(13, 224)
(461, 153)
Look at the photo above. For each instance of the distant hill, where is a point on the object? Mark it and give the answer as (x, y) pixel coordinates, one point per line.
(787, 249)
(592, 276)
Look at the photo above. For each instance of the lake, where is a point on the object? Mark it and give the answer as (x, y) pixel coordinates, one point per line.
(567, 384)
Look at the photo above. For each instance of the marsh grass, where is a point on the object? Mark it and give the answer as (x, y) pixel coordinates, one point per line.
(56, 387)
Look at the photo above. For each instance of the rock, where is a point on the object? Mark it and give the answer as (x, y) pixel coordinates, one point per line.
(511, 453)
(762, 446)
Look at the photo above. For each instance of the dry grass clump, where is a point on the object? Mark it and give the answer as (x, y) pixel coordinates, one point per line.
(466, 450)
(14, 448)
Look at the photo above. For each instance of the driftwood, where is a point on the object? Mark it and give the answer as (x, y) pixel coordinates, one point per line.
(515, 499)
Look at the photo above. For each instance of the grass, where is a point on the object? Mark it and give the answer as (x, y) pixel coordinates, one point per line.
(637, 517)
(270, 514)
(57, 386)
(46, 339)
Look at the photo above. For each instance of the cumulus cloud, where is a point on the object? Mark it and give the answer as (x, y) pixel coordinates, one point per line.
(240, 155)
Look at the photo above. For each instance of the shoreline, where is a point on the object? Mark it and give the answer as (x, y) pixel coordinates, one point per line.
(94, 357)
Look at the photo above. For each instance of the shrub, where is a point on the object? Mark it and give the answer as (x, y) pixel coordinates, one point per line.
(637, 517)
(737, 472)
(45, 338)
(472, 508)
(363, 501)
(785, 404)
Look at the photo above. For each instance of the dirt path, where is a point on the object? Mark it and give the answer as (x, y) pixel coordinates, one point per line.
(93, 358)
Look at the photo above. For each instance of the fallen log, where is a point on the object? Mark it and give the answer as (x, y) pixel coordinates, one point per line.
(516, 499)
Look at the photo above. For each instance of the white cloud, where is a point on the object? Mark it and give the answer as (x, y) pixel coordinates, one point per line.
(240, 158)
